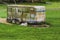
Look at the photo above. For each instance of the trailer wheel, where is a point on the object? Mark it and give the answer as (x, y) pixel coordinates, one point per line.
(13, 21)
(17, 22)
(9, 20)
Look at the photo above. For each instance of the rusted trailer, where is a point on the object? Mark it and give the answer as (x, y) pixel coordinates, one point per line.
(25, 13)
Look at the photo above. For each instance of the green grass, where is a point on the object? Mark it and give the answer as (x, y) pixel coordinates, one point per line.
(17, 32)
(3, 11)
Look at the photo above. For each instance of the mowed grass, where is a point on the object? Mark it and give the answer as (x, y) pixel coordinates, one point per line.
(17, 32)
(3, 11)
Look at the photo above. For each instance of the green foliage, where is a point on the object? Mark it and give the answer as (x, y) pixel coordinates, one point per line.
(51, 0)
(46, 0)
(54, 0)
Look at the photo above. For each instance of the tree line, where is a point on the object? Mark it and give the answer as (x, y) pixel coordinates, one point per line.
(18, 1)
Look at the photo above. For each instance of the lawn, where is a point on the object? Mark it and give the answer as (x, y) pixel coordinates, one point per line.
(17, 32)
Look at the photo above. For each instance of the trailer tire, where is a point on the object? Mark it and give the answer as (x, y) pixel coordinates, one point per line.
(17, 22)
(9, 20)
(13, 21)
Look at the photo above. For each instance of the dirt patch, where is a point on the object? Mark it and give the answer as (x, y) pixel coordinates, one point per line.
(3, 20)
